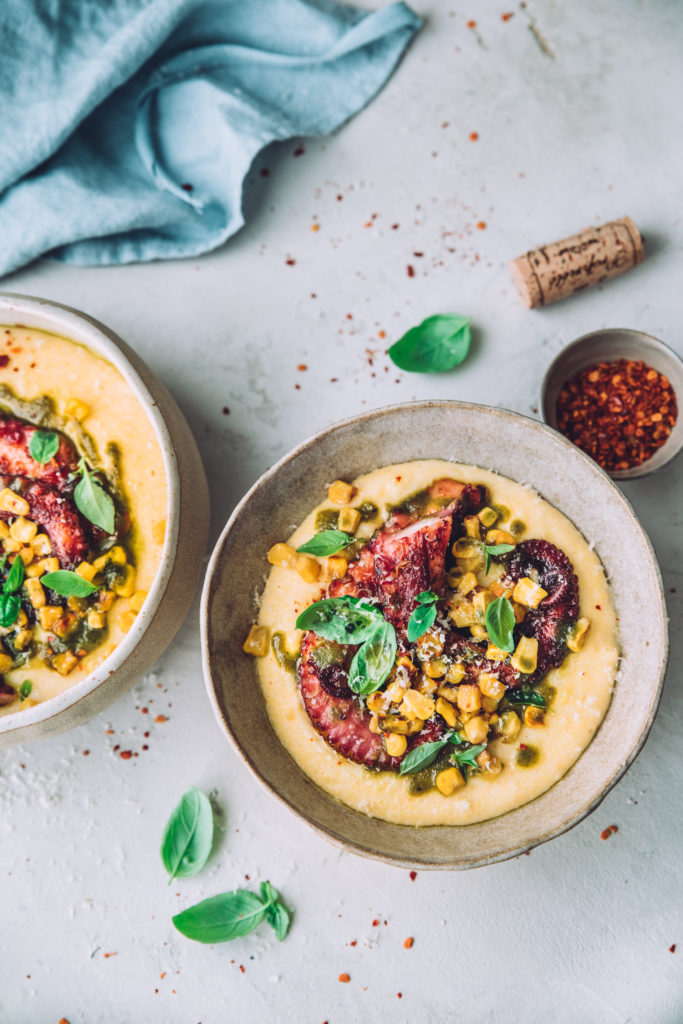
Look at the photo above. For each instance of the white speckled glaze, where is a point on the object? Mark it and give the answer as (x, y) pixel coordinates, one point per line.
(184, 546)
(507, 443)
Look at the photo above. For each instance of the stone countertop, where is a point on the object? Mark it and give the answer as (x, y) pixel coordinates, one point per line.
(574, 108)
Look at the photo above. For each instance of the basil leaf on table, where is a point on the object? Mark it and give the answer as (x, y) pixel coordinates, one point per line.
(68, 583)
(277, 914)
(93, 501)
(346, 620)
(422, 756)
(495, 549)
(525, 695)
(328, 542)
(188, 836)
(500, 621)
(375, 659)
(221, 918)
(439, 343)
(423, 616)
(44, 445)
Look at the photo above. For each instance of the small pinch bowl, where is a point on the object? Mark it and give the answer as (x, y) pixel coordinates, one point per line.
(606, 346)
(180, 566)
(495, 439)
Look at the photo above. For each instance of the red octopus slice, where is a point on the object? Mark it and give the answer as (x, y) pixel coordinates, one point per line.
(16, 458)
(7, 694)
(56, 514)
(359, 580)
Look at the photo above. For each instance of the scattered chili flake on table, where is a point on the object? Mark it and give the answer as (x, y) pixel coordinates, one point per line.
(672, 949)
(345, 978)
(408, 944)
(413, 876)
(607, 832)
(619, 413)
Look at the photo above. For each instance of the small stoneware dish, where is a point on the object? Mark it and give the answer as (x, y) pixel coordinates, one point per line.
(187, 516)
(606, 346)
(507, 443)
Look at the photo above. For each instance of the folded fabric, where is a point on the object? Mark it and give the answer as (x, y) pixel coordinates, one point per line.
(128, 126)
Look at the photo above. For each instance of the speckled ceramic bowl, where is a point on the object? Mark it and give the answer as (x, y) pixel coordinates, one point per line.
(608, 345)
(187, 515)
(495, 439)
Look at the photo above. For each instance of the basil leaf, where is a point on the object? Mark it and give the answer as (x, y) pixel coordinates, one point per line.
(422, 756)
(268, 893)
(422, 618)
(327, 542)
(188, 836)
(44, 445)
(93, 501)
(9, 609)
(467, 756)
(525, 695)
(375, 659)
(427, 597)
(278, 917)
(439, 343)
(495, 549)
(25, 689)
(15, 576)
(342, 619)
(500, 621)
(68, 583)
(221, 918)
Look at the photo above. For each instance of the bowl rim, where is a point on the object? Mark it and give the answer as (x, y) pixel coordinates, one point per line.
(79, 327)
(330, 835)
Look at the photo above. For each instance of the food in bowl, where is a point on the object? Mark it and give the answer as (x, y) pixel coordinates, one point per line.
(82, 513)
(436, 644)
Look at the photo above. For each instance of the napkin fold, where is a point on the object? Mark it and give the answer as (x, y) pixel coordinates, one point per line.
(128, 126)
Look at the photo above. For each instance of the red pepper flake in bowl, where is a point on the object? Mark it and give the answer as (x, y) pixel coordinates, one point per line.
(619, 412)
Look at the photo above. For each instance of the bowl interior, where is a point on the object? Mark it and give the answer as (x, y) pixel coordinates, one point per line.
(494, 439)
(608, 345)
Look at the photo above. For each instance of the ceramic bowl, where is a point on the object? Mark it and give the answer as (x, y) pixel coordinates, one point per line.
(513, 445)
(606, 346)
(181, 562)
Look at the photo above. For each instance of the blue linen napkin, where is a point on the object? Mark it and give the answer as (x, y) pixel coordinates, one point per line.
(127, 127)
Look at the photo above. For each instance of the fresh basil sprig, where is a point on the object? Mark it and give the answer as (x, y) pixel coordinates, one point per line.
(423, 616)
(44, 445)
(500, 622)
(68, 583)
(526, 695)
(25, 689)
(374, 661)
(188, 836)
(327, 542)
(494, 549)
(10, 602)
(427, 753)
(439, 343)
(346, 620)
(467, 755)
(93, 501)
(233, 914)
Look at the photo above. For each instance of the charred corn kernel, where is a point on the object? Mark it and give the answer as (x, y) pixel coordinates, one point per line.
(494, 653)
(337, 566)
(519, 611)
(392, 723)
(481, 600)
(374, 725)
(64, 623)
(449, 693)
(87, 570)
(105, 600)
(126, 621)
(27, 702)
(282, 555)
(376, 702)
(5, 663)
(487, 516)
(488, 763)
(65, 662)
(340, 493)
(478, 632)
(430, 645)
(49, 615)
(23, 638)
(136, 602)
(500, 589)
(404, 662)
(26, 554)
(472, 527)
(395, 692)
(257, 641)
(75, 409)
(23, 529)
(100, 563)
(349, 518)
(159, 531)
(525, 657)
(447, 712)
(455, 672)
(75, 604)
(426, 685)
(489, 703)
(125, 587)
(491, 686)
(577, 634)
(117, 555)
(533, 715)
(469, 697)
(41, 544)
(467, 583)
(49, 564)
(33, 570)
(96, 620)
(36, 594)
(448, 781)
(14, 503)
(528, 593)
(453, 577)
(396, 745)
(476, 729)
(494, 537)
(435, 669)
(308, 568)
(4, 530)
(509, 726)
(22, 618)
(416, 705)
(462, 612)
(466, 548)
(11, 546)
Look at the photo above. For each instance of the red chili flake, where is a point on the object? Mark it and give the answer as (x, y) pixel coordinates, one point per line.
(474, 136)
(299, 151)
(301, 367)
(410, 271)
(144, 711)
(86, 753)
(242, 968)
(620, 413)
(408, 944)
(481, 224)
(471, 24)
(126, 754)
(145, 746)
(354, 942)
(4, 360)
(507, 16)
(395, 227)
(413, 876)
(110, 954)
(339, 198)
(345, 978)
(187, 187)
(315, 227)
(161, 718)
(290, 262)
(225, 410)
(399, 995)
(607, 832)
(265, 173)
(672, 949)
(375, 923)
(522, 746)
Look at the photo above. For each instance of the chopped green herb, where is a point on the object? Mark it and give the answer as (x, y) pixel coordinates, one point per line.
(423, 616)
(495, 549)
(44, 445)
(328, 542)
(25, 689)
(526, 695)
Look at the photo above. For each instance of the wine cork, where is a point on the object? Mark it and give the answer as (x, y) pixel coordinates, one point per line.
(596, 254)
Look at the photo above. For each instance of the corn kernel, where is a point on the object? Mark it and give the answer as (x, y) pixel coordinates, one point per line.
(472, 527)
(282, 555)
(26, 554)
(75, 604)
(22, 618)
(11, 546)
(75, 409)
(447, 712)
(105, 600)
(476, 729)
(489, 704)
(376, 702)
(453, 577)
(426, 685)
(41, 544)
(465, 548)
(23, 529)
(340, 493)
(125, 587)
(337, 566)
(519, 611)
(528, 593)
(23, 638)
(159, 531)
(525, 657)
(96, 620)
(5, 663)
(577, 634)
(36, 594)
(136, 602)
(509, 726)
(533, 716)
(487, 516)
(49, 615)
(491, 686)
(434, 669)
(27, 702)
(494, 653)
(448, 781)
(481, 600)
(256, 643)
(349, 518)
(100, 563)
(455, 672)
(494, 537)
(395, 692)
(4, 530)
(449, 693)
(49, 564)
(469, 697)
(500, 589)
(308, 568)
(87, 570)
(415, 706)
(395, 745)
(65, 662)
(117, 555)
(64, 623)
(462, 612)
(33, 570)
(127, 621)
(478, 632)
(430, 645)
(467, 583)
(374, 725)
(13, 503)
(488, 763)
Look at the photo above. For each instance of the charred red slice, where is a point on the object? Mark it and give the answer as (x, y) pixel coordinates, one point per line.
(16, 458)
(359, 580)
(56, 514)
(7, 694)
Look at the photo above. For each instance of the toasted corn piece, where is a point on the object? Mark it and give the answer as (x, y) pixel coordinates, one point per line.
(41, 544)
(509, 726)
(87, 570)
(469, 697)
(36, 593)
(308, 568)
(472, 527)
(23, 530)
(500, 589)
(528, 593)
(27, 702)
(13, 503)
(395, 745)
(481, 600)
(117, 555)
(449, 693)
(404, 661)
(127, 621)
(64, 624)
(416, 706)
(476, 729)
(11, 546)
(105, 599)
(49, 615)
(340, 493)
(5, 663)
(467, 583)
(76, 410)
(4, 530)
(374, 725)
(22, 618)
(478, 632)
(96, 620)
(392, 723)
(455, 672)
(525, 657)
(435, 669)
(489, 703)
(349, 519)
(125, 587)
(395, 692)
(488, 763)
(337, 566)
(462, 612)
(376, 702)
(494, 537)
(76, 604)
(519, 611)
(159, 531)
(65, 662)
(494, 653)
(534, 716)
(448, 781)
(447, 712)
(453, 577)
(282, 555)
(430, 645)
(491, 686)
(136, 602)
(467, 549)
(487, 516)
(577, 634)
(23, 638)
(426, 685)
(26, 554)
(257, 641)
(49, 564)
